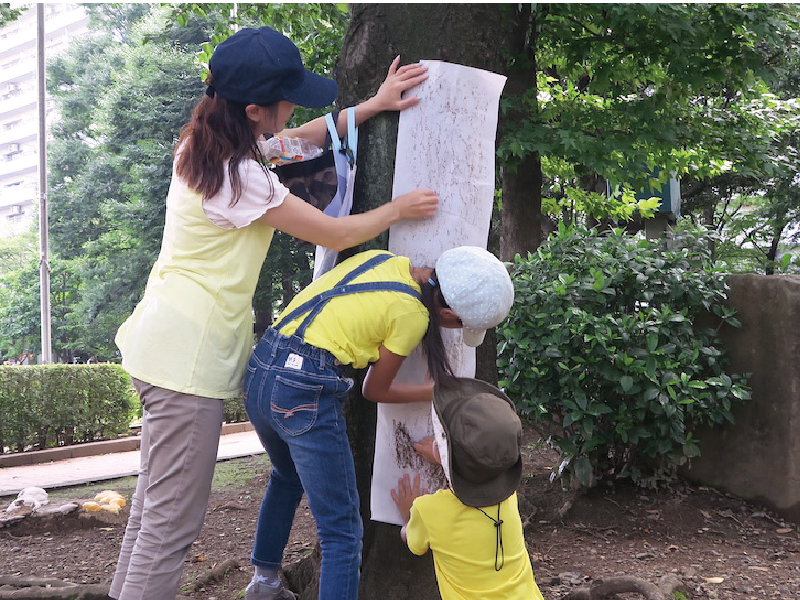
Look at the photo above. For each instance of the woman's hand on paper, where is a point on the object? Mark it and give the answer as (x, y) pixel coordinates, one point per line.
(417, 204)
(398, 80)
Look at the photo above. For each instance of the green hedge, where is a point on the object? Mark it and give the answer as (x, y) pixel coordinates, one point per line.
(55, 405)
(234, 410)
(59, 405)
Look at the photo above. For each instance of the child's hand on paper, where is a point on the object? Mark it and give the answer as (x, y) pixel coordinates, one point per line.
(405, 494)
(428, 450)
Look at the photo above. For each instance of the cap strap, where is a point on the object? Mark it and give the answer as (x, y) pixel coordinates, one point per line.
(499, 551)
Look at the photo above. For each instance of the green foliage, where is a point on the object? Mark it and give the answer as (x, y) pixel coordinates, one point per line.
(233, 411)
(8, 14)
(609, 342)
(45, 406)
(124, 90)
(122, 107)
(18, 283)
(620, 89)
(756, 238)
(316, 29)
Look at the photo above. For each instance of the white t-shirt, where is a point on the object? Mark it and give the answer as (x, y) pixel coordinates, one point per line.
(254, 201)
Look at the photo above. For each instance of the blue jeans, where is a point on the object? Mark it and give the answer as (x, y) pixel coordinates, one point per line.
(294, 394)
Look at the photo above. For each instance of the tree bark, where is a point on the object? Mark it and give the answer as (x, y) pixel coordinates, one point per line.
(467, 34)
(522, 185)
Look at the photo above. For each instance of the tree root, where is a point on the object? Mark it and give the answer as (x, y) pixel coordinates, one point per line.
(218, 573)
(607, 588)
(46, 588)
(43, 588)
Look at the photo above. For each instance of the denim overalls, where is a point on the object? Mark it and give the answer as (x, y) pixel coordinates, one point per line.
(293, 395)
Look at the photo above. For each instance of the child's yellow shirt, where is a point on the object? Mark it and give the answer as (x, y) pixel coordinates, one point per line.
(464, 543)
(355, 326)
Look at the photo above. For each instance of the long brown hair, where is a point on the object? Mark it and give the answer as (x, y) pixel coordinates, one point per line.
(432, 343)
(219, 132)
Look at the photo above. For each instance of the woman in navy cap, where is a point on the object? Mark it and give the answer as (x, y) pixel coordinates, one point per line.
(187, 343)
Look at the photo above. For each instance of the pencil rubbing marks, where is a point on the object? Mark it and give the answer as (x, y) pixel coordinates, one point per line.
(431, 476)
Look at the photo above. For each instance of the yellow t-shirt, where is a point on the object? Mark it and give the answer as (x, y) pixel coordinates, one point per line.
(464, 542)
(192, 331)
(353, 327)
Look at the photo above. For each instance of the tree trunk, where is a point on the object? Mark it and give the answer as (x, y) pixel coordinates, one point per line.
(522, 186)
(772, 253)
(467, 34)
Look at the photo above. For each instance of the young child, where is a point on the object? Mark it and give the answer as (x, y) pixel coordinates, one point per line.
(473, 528)
(372, 310)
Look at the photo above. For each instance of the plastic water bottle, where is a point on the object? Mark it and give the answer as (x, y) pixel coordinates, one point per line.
(280, 150)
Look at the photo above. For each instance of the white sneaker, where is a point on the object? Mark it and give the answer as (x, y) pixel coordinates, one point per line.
(262, 591)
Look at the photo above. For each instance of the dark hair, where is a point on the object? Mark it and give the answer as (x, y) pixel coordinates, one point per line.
(432, 343)
(218, 133)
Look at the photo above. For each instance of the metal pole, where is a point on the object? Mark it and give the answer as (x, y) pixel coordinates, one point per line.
(44, 261)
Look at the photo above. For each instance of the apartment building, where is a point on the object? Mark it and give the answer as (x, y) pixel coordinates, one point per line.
(19, 117)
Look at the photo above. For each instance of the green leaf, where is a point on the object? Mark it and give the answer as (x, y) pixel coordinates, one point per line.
(626, 382)
(652, 342)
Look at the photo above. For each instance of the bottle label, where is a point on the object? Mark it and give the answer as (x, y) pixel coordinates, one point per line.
(281, 150)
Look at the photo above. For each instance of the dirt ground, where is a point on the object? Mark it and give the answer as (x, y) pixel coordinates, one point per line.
(719, 546)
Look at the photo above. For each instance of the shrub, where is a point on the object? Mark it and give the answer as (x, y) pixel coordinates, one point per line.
(53, 405)
(605, 345)
(234, 412)
(58, 405)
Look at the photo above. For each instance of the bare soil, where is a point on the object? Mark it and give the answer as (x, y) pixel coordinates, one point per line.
(719, 546)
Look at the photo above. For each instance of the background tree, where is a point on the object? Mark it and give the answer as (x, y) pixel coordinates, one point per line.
(124, 90)
(623, 88)
(758, 215)
(18, 291)
(8, 14)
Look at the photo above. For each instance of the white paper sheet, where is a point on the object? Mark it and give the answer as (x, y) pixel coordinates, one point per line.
(445, 143)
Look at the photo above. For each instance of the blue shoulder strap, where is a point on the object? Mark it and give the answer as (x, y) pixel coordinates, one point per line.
(351, 141)
(343, 288)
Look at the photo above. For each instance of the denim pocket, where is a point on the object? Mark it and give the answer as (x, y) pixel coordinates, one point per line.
(294, 404)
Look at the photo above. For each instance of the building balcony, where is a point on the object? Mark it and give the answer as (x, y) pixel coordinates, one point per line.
(23, 195)
(10, 105)
(25, 131)
(27, 163)
(21, 72)
(21, 34)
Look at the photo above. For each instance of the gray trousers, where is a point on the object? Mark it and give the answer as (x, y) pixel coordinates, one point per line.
(180, 436)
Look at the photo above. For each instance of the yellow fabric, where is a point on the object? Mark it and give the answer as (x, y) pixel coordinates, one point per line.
(192, 332)
(353, 327)
(464, 540)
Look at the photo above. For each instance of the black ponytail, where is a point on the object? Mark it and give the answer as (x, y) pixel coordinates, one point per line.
(432, 343)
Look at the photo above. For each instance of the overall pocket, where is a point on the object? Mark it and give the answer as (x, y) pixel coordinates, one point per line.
(295, 404)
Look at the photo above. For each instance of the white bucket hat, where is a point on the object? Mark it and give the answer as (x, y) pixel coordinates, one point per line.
(477, 287)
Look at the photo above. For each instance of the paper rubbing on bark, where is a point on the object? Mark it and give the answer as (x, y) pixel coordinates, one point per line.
(445, 143)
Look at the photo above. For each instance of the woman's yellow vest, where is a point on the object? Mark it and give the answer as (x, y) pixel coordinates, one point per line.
(192, 332)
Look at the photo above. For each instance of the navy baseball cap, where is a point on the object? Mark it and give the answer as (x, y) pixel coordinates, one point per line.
(262, 66)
